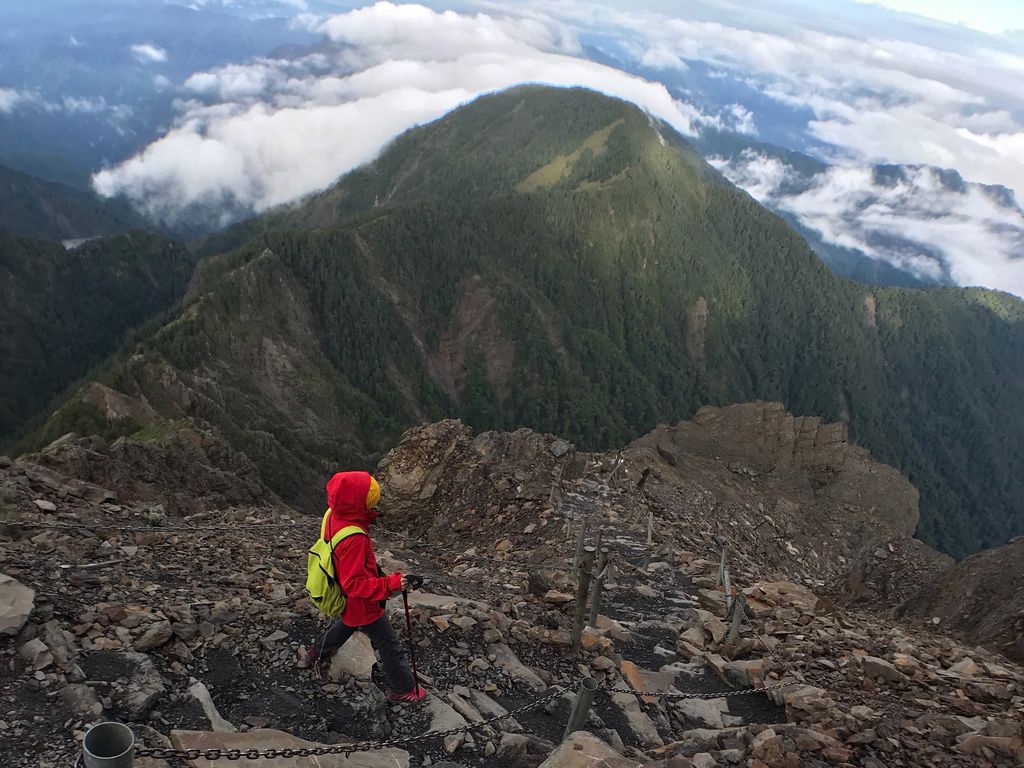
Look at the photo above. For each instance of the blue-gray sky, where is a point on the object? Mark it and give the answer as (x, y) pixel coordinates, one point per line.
(993, 16)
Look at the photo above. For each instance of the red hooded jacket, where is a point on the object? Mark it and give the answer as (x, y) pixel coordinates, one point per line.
(354, 561)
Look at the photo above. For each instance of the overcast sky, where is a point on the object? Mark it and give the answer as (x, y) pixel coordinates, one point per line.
(992, 16)
(858, 83)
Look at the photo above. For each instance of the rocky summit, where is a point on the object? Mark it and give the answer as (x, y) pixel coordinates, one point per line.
(175, 603)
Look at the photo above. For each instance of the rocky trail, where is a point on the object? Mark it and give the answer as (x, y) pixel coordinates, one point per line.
(188, 626)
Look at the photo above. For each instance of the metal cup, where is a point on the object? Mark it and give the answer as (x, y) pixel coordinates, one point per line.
(108, 745)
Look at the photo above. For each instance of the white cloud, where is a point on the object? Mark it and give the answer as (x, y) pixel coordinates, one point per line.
(662, 58)
(77, 105)
(936, 99)
(147, 53)
(914, 221)
(9, 99)
(742, 119)
(265, 133)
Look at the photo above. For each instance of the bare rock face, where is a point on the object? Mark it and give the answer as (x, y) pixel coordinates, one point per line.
(16, 603)
(770, 437)
(981, 599)
(791, 488)
(440, 478)
(187, 469)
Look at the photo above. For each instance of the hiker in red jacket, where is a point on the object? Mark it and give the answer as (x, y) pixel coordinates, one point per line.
(352, 497)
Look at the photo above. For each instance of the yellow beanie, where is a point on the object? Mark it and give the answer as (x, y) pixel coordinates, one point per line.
(373, 495)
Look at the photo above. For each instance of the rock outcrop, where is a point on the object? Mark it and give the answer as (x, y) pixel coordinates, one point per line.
(789, 490)
(193, 634)
(184, 468)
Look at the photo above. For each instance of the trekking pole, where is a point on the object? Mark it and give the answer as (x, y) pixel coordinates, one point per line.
(412, 651)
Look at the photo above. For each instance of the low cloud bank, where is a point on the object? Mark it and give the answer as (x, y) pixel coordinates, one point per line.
(916, 218)
(252, 136)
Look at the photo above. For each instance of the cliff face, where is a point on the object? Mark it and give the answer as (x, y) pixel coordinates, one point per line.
(790, 490)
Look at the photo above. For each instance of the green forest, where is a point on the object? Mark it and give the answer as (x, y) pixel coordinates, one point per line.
(64, 312)
(438, 282)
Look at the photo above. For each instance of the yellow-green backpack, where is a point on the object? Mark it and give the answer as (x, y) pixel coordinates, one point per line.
(321, 582)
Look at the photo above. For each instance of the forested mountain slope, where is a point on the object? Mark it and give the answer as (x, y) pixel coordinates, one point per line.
(63, 312)
(556, 259)
(32, 207)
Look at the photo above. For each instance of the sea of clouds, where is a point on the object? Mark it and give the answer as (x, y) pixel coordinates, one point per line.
(257, 134)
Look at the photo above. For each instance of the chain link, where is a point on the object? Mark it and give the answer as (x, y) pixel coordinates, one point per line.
(161, 753)
(236, 528)
(721, 695)
(193, 753)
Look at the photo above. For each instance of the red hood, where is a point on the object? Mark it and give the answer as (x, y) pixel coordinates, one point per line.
(346, 496)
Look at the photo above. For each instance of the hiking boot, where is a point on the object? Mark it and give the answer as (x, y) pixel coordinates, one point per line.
(309, 658)
(414, 696)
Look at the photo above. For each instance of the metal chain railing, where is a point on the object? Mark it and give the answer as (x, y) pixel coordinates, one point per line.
(161, 753)
(155, 528)
(680, 695)
(264, 526)
(164, 753)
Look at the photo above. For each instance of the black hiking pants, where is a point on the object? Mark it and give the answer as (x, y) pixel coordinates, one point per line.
(384, 641)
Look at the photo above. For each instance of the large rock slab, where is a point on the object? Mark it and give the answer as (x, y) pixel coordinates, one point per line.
(202, 694)
(443, 717)
(266, 738)
(644, 680)
(639, 723)
(506, 660)
(584, 750)
(16, 603)
(354, 659)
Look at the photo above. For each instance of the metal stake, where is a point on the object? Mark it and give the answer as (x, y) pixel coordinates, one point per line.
(738, 615)
(595, 599)
(582, 590)
(728, 592)
(721, 566)
(581, 707)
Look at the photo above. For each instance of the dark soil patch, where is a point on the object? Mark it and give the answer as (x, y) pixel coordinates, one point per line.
(291, 702)
(107, 667)
(614, 718)
(640, 649)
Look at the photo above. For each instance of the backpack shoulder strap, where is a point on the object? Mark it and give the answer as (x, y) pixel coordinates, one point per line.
(344, 533)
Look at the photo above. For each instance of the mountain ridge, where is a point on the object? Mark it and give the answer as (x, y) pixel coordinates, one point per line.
(631, 286)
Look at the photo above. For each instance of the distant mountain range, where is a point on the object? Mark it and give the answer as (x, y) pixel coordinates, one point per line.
(557, 259)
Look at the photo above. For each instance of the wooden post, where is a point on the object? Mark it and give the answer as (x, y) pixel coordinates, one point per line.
(650, 537)
(618, 463)
(643, 479)
(595, 599)
(581, 539)
(582, 591)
